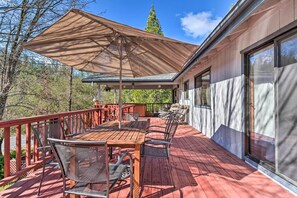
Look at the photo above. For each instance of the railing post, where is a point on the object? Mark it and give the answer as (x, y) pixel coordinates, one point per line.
(62, 128)
(85, 121)
(28, 144)
(97, 117)
(18, 147)
(35, 150)
(6, 151)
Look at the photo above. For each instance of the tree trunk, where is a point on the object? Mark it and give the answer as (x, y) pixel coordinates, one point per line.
(70, 89)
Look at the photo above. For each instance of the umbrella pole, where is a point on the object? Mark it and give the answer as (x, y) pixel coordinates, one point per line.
(120, 90)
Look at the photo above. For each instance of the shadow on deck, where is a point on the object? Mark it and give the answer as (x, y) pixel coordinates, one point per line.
(201, 168)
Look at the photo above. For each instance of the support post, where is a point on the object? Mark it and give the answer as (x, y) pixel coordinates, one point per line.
(6, 151)
(28, 144)
(18, 148)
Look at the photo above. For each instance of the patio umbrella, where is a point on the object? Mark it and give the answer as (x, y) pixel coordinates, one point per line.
(94, 44)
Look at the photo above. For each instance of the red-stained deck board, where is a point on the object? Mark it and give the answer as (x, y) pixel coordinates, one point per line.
(201, 168)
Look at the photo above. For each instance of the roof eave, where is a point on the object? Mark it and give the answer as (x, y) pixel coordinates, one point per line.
(240, 12)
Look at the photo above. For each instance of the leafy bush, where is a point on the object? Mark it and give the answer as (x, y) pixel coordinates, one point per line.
(12, 156)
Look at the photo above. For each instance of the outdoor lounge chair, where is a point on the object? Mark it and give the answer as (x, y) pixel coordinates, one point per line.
(182, 112)
(160, 148)
(86, 163)
(174, 108)
(42, 131)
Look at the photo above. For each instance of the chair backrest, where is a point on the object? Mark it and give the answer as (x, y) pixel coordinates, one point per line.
(129, 117)
(46, 129)
(172, 116)
(73, 124)
(82, 161)
(174, 107)
(182, 112)
(172, 130)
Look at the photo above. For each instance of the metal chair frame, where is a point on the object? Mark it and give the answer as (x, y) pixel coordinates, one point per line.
(46, 130)
(88, 144)
(154, 143)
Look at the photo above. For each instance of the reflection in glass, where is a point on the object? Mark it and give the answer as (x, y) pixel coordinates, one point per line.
(288, 51)
(202, 89)
(261, 93)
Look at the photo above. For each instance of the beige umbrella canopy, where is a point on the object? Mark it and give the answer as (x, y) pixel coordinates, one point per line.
(91, 43)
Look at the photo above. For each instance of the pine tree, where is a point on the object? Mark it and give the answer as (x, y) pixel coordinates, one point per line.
(152, 24)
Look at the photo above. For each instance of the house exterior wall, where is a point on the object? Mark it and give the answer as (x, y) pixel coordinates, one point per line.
(224, 121)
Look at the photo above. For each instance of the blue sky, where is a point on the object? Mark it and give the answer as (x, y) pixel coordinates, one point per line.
(185, 20)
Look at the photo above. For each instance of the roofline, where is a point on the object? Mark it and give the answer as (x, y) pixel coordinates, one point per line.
(240, 11)
(129, 81)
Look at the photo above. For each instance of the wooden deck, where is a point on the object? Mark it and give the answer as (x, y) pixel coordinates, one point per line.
(201, 168)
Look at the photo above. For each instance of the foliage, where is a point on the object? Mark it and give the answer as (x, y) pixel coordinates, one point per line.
(153, 25)
(12, 156)
(42, 89)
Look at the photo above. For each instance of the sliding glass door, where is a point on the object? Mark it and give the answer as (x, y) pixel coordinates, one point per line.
(261, 131)
(286, 108)
(272, 105)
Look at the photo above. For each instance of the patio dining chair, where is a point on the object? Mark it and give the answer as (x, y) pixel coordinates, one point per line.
(163, 128)
(42, 131)
(73, 125)
(86, 163)
(160, 148)
(132, 116)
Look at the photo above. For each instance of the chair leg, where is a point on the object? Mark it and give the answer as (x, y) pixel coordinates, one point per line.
(64, 187)
(131, 178)
(110, 153)
(42, 175)
(170, 173)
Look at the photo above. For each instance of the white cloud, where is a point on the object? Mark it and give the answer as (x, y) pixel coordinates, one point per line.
(200, 24)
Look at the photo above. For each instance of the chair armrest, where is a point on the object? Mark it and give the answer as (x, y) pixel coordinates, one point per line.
(156, 131)
(156, 126)
(159, 141)
(120, 161)
(72, 135)
(44, 147)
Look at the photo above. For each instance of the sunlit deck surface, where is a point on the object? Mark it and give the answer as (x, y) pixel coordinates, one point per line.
(201, 168)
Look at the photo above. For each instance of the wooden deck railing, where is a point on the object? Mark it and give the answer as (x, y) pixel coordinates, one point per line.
(145, 109)
(31, 161)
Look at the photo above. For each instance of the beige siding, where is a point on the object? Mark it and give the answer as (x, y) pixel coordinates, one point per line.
(224, 121)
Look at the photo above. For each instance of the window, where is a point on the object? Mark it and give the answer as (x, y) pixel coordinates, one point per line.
(186, 90)
(202, 89)
(288, 49)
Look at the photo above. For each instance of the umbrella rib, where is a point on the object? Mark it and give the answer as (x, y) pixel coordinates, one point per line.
(97, 21)
(99, 65)
(128, 55)
(100, 51)
(106, 48)
(143, 48)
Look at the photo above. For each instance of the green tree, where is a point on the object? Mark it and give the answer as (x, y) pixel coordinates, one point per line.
(153, 24)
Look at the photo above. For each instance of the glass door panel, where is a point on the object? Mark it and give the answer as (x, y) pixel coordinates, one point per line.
(286, 116)
(261, 105)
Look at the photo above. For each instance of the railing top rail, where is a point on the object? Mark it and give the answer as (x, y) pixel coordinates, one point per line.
(26, 120)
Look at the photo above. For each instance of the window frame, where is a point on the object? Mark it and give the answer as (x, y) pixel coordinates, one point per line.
(200, 74)
(186, 91)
